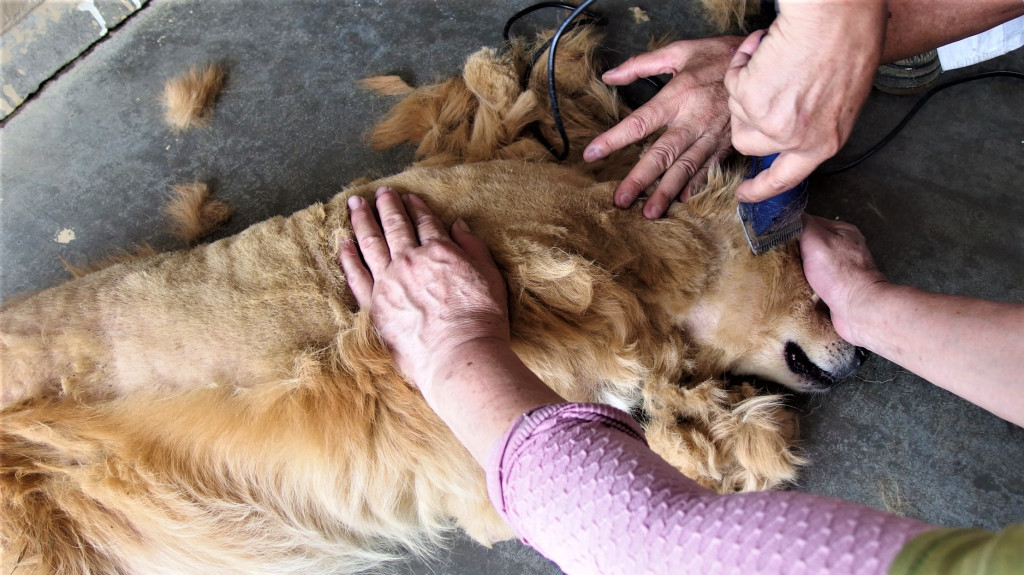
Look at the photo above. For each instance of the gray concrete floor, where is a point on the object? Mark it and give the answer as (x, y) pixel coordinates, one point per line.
(90, 157)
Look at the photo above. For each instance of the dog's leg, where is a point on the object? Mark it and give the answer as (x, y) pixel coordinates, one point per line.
(725, 439)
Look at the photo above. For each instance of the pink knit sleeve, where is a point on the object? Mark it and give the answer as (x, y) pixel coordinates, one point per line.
(578, 483)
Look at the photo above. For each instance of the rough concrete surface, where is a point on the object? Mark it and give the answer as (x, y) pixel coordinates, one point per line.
(86, 164)
(40, 37)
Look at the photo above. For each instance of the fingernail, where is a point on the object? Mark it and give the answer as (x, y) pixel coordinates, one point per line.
(624, 198)
(381, 190)
(593, 153)
(354, 202)
(610, 72)
(461, 224)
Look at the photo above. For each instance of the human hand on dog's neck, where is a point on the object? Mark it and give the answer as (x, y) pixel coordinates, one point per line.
(693, 109)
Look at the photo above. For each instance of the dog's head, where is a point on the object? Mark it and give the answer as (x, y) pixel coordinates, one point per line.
(761, 317)
(765, 320)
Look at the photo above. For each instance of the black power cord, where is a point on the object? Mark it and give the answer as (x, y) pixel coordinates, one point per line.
(551, 46)
(551, 78)
(592, 16)
(906, 119)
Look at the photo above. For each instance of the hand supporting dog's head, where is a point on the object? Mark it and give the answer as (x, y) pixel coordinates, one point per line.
(762, 318)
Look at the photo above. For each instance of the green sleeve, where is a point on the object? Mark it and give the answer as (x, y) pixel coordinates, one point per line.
(963, 552)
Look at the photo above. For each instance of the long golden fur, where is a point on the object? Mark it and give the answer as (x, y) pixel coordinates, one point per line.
(188, 98)
(228, 409)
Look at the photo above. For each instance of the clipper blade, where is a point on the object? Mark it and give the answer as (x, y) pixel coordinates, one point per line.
(762, 243)
(776, 220)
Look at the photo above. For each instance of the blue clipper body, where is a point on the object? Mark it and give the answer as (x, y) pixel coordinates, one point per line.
(776, 220)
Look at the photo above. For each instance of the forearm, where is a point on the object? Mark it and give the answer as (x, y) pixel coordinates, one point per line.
(916, 26)
(481, 389)
(579, 484)
(973, 348)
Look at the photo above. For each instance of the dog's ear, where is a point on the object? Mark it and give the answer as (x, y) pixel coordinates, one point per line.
(715, 199)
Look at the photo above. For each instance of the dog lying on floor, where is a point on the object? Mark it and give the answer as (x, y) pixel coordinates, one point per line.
(228, 409)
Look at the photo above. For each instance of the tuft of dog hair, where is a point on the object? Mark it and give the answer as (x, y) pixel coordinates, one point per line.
(386, 85)
(188, 99)
(194, 213)
(726, 15)
(500, 103)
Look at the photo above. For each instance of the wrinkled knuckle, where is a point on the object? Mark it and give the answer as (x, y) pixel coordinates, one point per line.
(423, 219)
(637, 126)
(781, 183)
(758, 111)
(775, 127)
(369, 243)
(832, 146)
(688, 166)
(392, 221)
(662, 156)
(634, 185)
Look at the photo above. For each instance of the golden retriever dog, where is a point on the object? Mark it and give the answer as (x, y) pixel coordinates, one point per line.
(228, 408)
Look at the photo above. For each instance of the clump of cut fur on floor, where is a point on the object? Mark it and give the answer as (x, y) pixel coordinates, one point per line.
(121, 256)
(499, 105)
(640, 15)
(193, 213)
(188, 99)
(386, 85)
(727, 15)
